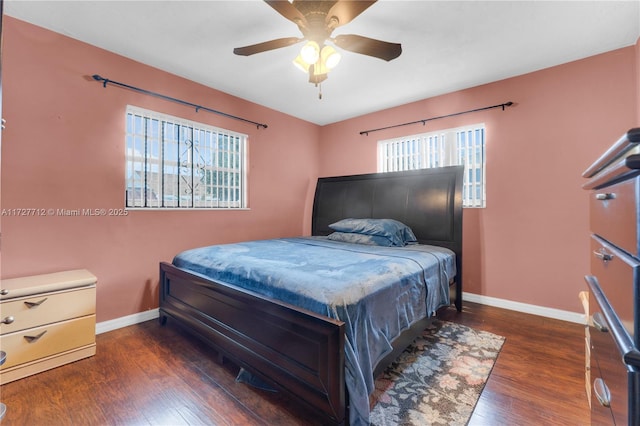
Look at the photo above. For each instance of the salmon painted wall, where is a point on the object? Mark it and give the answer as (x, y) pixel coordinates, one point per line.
(63, 148)
(531, 243)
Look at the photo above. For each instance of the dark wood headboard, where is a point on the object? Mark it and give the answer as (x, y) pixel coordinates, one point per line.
(429, 201)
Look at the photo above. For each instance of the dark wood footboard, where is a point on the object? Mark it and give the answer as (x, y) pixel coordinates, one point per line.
(300, 352)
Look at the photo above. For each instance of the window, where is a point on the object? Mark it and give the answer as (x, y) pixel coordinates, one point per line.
(451, 147)
(176, 163)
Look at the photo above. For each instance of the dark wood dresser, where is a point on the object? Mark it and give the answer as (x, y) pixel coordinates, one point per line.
(612, 336)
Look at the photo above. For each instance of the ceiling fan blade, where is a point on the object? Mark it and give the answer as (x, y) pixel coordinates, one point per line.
(267, 45)
(286, 9)
(368, 46)
(346, 11)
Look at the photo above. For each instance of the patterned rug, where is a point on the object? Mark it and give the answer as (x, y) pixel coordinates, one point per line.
(438, 379)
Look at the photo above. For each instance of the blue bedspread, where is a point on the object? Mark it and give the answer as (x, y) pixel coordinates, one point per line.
(378, 292)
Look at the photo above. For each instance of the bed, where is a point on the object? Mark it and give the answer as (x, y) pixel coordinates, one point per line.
(308, 350)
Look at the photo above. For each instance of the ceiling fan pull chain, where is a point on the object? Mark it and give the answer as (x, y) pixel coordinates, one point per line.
(320, 91)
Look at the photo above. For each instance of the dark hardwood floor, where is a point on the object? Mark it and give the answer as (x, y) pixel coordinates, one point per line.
(539, 378)
(147, 374)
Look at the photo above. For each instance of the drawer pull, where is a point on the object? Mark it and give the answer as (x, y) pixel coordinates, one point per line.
(605, 196)
(599, 322)
(602, 255)
(35, 304)
(33, 339)
(4, 292)
(8, 320)
(601, 391)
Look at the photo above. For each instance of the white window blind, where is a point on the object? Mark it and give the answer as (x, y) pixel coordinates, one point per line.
(451, 147)
(176, 163)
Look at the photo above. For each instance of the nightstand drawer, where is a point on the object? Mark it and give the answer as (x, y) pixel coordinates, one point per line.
(46, 308)
(39, 342)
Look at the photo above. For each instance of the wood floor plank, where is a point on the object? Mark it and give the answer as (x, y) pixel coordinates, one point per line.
(148, 374)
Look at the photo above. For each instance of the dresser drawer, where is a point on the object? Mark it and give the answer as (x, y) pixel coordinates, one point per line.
(39, 342)
(617, 272)
(614, 214)
(46, 308)
(612, 381)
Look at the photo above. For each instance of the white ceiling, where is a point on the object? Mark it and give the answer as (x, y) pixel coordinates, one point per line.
(447, 45)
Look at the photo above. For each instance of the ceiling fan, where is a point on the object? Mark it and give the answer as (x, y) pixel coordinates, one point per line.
(316, 21)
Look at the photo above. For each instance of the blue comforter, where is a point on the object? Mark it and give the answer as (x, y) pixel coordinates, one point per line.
(378, 292)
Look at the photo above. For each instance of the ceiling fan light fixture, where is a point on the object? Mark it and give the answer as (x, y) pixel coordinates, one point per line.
(301, 64)
(330, 57)
(310, 52)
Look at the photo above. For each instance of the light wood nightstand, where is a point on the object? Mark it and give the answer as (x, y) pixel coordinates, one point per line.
(46, 321)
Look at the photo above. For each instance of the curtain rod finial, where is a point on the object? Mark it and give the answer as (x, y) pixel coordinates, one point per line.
(104, 81)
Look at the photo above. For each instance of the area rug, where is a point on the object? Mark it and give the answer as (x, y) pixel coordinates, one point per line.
(438, 379)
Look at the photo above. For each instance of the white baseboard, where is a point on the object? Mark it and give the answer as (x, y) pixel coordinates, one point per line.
(525, 307)
(104, 326)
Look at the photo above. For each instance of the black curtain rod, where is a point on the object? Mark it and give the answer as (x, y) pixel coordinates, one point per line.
(169, 98)
(424, 121)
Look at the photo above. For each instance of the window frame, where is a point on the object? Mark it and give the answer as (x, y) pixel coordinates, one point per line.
(172, 163)
(442, 148)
